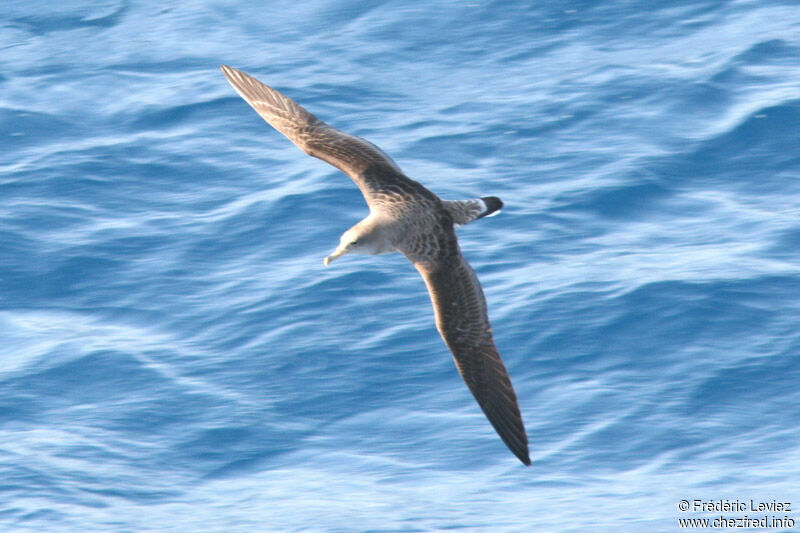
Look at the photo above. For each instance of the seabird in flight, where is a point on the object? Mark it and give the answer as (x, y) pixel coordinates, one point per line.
(406, 217)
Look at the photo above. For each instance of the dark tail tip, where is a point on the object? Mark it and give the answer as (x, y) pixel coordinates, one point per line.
(493, 204)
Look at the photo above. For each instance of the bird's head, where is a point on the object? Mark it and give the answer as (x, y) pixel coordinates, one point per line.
(367, 237)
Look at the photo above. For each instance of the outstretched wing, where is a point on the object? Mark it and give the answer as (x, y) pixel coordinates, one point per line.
(462, 320)
(369, 167)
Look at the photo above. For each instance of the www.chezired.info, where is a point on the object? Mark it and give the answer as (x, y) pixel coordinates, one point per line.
(737, 514)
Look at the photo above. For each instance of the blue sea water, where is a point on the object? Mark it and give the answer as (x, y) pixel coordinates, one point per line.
(175, 357)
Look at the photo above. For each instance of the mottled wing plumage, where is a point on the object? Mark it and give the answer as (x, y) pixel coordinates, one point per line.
(369, 167)
(462, 320)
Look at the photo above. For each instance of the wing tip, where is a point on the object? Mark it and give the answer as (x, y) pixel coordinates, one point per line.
(230, 74)
(525, 458)
(518, 448)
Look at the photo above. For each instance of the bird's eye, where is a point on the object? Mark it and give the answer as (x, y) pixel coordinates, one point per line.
(354, 243)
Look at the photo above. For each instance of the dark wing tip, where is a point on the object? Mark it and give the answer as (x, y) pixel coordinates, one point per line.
(493, 205)
(507, 421)
(525, 458)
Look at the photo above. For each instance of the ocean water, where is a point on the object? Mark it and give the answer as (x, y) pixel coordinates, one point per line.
(175, 357)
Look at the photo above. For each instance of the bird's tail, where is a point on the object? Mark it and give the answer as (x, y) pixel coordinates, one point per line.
(465, 211)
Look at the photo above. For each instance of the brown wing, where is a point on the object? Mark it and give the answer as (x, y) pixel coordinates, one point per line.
(369, 167)
(463, 322)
